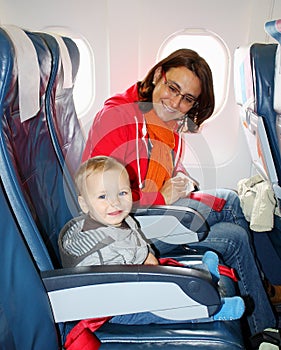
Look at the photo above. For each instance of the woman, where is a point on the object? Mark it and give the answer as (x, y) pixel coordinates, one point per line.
(141, 128)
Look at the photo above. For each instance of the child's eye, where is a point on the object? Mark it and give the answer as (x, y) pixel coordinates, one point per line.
(102, 196)
(123, 193)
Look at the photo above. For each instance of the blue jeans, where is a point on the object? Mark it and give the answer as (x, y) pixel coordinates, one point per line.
(230, 238)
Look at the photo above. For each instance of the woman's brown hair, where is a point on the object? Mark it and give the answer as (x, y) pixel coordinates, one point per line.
(206, 101)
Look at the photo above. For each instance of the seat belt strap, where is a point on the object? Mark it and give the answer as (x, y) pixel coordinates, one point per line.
(223, 270)
(229, 272)
(211, 201)
(82, 337)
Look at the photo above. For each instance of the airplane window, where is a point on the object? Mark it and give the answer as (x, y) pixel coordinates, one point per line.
(212, 48)
(84, 87)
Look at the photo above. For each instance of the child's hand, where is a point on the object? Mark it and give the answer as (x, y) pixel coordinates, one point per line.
(151, 260)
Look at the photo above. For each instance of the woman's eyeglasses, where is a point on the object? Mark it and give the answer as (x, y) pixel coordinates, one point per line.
(174, 91)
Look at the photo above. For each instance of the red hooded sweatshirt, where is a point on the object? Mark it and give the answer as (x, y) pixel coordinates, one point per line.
(119, 131)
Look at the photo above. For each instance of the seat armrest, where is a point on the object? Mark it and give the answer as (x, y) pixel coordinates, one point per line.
(97, 291)
(172, 224)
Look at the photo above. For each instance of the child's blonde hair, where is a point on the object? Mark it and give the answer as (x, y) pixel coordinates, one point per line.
(95, 164)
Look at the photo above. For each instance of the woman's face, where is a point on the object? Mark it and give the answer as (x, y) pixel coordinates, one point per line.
(175, 92)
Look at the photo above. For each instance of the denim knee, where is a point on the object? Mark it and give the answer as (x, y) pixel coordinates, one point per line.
(229, 240)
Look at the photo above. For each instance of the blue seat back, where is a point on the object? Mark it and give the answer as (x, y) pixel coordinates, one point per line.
(26, 319)
(254, 85)
(273, 28)
(63, 122)
(254, 72)
(263, 60)
(32, 175)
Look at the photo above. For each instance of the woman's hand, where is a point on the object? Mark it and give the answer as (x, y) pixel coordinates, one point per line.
(175, 188)
(151, 260)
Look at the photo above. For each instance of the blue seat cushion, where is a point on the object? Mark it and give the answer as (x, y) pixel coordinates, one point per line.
(214, 335)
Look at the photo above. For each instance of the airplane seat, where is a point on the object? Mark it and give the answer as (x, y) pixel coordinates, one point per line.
(273, 28)
(254, 71)
(31, 170)
(42, 203)
(26, 320)
(254, 76)
(64, 125)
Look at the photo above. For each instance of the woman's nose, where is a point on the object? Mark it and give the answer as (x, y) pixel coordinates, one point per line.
(175, 101)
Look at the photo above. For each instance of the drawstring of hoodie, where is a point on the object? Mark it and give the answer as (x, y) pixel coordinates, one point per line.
(144, 131)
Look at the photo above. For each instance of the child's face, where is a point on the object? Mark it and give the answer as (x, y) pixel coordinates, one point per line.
(108, 199)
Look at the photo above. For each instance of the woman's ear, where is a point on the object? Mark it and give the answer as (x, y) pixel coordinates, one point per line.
(83, 204)
(157, 75)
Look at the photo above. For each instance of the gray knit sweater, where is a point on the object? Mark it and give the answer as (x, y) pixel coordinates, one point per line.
(85, 242)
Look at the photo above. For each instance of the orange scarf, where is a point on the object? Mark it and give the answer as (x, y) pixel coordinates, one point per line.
(160, 168)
